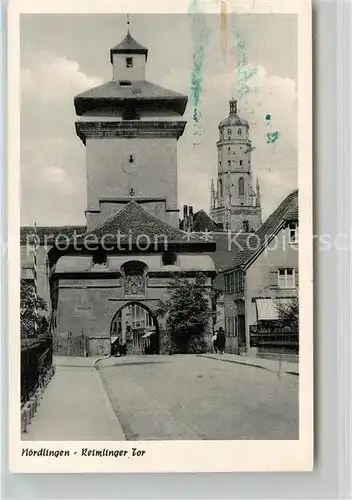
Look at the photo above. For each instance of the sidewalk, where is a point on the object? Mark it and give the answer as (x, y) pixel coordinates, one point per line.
(75, 406)
(265, 364)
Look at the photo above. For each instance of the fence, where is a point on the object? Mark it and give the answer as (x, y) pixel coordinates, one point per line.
(274, 339)
(69, 345)
(36, 361)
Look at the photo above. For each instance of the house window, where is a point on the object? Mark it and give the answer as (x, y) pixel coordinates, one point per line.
(169, 258)
(293, 232)
(129, 62)
(229, 284)
(286, 278)
(229, 327)
(241, 186)
(239, 281)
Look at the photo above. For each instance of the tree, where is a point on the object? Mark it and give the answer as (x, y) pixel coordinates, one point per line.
(289, 314)
(28, 317)
(188, 310)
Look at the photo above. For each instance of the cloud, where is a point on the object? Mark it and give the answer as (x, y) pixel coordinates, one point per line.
(52, 157)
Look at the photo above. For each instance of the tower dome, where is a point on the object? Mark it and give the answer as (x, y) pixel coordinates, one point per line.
(233, 119)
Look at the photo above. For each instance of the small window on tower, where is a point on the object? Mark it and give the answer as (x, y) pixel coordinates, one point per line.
(239, 131)
(229, 150)
(229, 163)
(241, 162)
(99, 257)
(129, 62)
(169, 258)
(229, 131)
(245, 226)
(130, 114)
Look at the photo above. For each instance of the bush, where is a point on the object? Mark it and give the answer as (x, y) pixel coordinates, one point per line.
(188, 311)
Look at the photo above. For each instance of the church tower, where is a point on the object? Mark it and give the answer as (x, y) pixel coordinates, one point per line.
(235, 204)
(130, 129)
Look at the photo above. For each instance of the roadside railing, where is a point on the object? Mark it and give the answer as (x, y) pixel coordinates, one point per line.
(274, 339)
(36, 372)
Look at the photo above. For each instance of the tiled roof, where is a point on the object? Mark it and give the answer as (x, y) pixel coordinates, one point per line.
(136, 91)
(47, 233)
(287, 211)
(128, 46)
(133, 222)
(202, 222)
(228, 246)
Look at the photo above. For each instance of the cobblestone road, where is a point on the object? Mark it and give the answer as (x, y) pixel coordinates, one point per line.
(193, 397)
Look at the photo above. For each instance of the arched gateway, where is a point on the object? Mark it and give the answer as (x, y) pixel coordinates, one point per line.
(135, 327)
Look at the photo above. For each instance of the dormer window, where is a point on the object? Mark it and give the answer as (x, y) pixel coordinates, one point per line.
(129, 62)
(293, 232)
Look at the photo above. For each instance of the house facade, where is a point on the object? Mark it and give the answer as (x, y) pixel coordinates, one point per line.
(263, 276)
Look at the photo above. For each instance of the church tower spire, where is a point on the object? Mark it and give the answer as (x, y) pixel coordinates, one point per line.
(238, 206)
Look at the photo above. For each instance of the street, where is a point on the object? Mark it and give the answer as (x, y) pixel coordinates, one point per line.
(195, 397)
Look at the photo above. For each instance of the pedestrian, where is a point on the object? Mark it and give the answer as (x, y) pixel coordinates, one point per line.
(221, 340)
(214, 340)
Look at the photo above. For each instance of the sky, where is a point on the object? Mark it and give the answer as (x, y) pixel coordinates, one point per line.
(63, 55)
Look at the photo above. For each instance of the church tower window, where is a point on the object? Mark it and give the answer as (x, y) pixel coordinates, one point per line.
(245, 226)
(241, 186)
(229, 163)
(129, 62)
(220, 187)
(241, 162)
(239, 131)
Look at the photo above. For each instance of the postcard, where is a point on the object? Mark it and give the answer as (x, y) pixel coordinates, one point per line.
(160, 236)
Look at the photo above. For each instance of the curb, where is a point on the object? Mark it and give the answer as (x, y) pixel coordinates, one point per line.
(249, 364)
(107, 401)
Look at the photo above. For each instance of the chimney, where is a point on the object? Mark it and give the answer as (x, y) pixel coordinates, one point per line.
(190, 218)
(185, 217)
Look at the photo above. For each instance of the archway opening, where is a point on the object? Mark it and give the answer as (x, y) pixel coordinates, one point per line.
(134, 330)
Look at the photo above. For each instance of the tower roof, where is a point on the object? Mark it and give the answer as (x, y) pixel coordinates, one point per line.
(116, 94)
(128, 46)
(233, 118)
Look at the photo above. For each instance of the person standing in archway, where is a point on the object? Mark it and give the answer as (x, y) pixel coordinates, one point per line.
(214, 340)
(221, 340)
